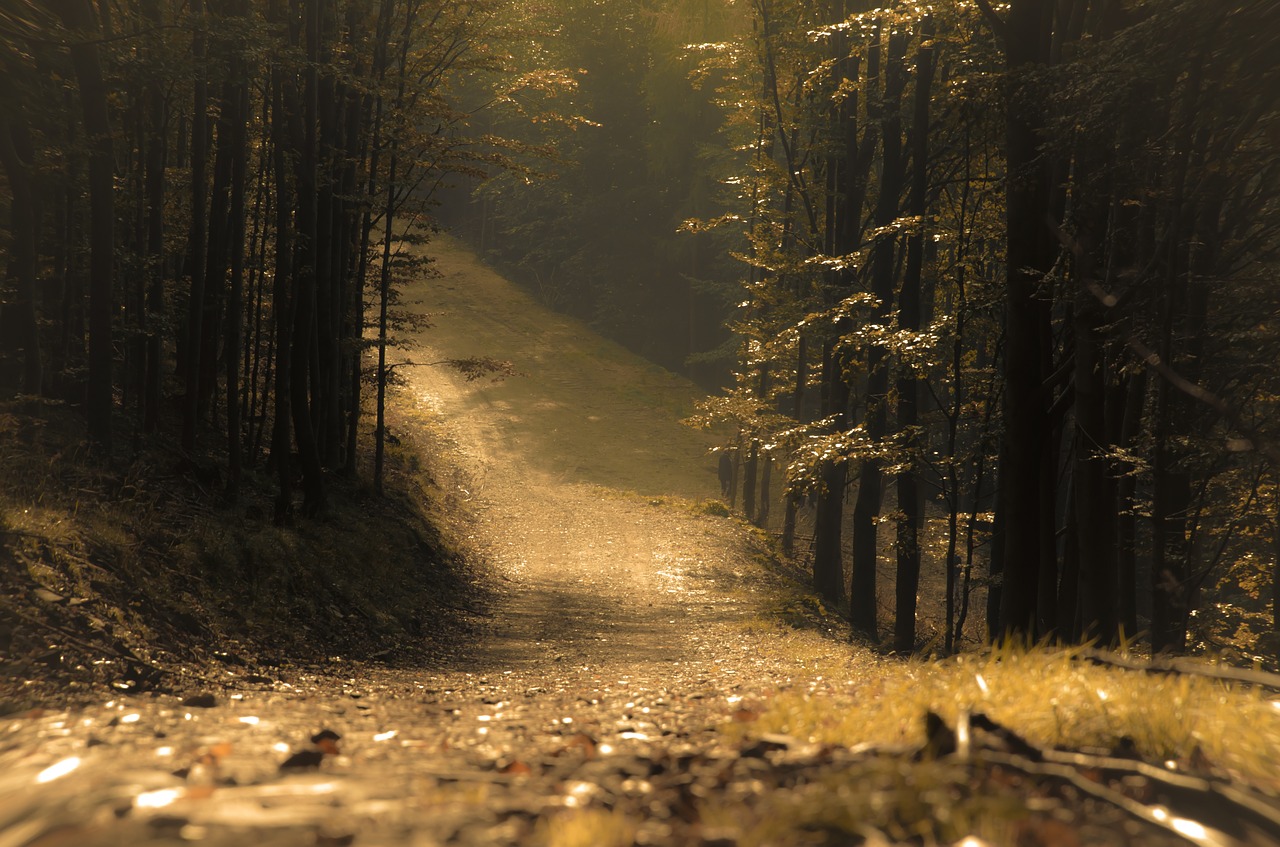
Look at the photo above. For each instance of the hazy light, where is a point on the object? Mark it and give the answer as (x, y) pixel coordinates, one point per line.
(251, 720)
(385, 736)
(58, 770)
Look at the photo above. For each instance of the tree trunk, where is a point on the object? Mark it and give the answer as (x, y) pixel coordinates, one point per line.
(238, 126)
(828, 569)
(1027, 428)
(866, 509)
(25, 229)
(1094, 509)
(197, 241)
(910, 517)
(305, 139)
(282, 301)
(78, 16)
(157, 148)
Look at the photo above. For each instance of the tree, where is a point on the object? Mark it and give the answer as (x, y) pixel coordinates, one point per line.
(78, 18)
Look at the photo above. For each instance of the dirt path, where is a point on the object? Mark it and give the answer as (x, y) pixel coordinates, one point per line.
(585, 485)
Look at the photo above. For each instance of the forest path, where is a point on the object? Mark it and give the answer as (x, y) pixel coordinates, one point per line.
(586, 489)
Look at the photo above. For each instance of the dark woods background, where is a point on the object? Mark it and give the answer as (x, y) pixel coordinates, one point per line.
(990, 288)
(207, 206)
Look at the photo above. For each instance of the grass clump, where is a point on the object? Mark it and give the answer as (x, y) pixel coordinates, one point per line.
(1053, 699)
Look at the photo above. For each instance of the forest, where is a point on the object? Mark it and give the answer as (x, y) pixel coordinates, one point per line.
(991, 285)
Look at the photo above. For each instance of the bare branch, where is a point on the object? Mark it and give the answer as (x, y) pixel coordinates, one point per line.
(996, 23)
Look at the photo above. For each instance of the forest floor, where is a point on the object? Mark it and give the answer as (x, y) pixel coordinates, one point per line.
(639, 668)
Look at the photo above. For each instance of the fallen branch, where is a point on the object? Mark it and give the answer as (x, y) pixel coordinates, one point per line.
(1199, 809)
(1190, 667)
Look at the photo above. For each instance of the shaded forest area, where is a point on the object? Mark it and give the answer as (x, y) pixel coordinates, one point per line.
(998, 279)
(208, 204)
(1013, 266)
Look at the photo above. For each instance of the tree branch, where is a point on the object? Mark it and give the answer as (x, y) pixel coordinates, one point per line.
(996, 23)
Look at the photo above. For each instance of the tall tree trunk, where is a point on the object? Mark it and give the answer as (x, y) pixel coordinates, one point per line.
(1094, 508)
(25, 216)
(157, 148)
(238, 141)
(388, 235)
(78, 16)
(910, 517)
(828, 569)
(866, 509)
(1126, 518)
(329, 102)
(1027, 427)
(282, 301)
(197, 241)
(305, 139)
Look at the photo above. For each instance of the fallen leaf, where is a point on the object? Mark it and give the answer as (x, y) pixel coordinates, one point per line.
(582, 741)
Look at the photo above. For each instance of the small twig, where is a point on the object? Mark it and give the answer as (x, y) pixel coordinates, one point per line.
(1089, 788)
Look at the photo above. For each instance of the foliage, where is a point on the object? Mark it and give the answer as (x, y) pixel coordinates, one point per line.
(593, 231)
(1155, 230)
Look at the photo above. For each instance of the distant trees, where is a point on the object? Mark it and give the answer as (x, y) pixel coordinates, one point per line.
(631, 151)
(217, 186)
(1030, 250)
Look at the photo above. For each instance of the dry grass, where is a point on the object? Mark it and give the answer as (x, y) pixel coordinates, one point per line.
(1053, 699)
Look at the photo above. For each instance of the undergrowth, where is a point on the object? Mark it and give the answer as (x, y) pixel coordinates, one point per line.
(134, 571)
